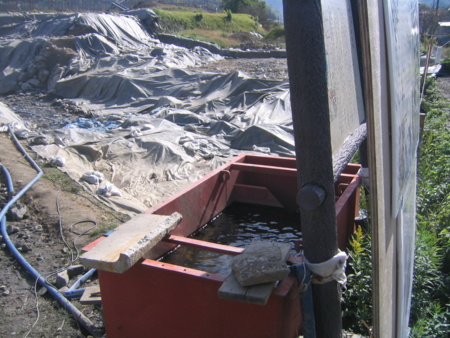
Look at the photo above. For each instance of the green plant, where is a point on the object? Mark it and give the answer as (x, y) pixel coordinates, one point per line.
(61, 180)
(427, 275)
(445, 66)
(229, 15)
(103, 228)
(433, 322)
(357, 305)
(430, 310)
(198, 17)
(275, 33)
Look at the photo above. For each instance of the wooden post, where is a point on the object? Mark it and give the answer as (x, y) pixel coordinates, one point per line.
(307, 67)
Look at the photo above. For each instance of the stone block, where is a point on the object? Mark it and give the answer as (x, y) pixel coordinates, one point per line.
(75, 270)
(261, 262)
(62, 279)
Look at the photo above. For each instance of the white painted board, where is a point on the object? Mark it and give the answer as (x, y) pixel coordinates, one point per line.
(344, 82)
(406, 237)
(402, 31)
(402, 28)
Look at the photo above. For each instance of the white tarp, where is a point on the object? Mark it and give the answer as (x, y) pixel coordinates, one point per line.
(37, 50)
(8, 116)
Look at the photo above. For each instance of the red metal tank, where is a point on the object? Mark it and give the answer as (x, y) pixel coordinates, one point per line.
(157, 299)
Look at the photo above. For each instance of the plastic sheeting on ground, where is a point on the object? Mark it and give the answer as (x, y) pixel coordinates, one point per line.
(150, 125)
(37, 50)
(8, 116)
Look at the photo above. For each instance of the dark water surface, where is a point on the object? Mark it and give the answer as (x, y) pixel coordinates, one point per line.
(237, 226)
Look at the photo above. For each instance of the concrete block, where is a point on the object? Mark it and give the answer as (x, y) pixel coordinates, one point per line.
(261, 262)
(62, 279)
(75, 270)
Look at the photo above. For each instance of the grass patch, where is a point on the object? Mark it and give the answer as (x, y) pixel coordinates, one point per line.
(168, 7)
(110, 219)
(174, 21)
(61, 180)
(217, 28)
(103, 228)
(223, 39)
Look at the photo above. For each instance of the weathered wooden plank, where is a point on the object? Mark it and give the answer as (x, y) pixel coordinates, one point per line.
(203, 245)
(264, 169)
(130, 242)
(91, 295)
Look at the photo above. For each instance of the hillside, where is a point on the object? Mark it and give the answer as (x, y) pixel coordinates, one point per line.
(183, 19)
(224, 29)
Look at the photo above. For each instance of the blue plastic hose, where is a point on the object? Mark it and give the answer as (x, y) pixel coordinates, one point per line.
(84, 278)
(73, 291)
(72, 294)
(82, 319)
(303, 275)
(9, 183)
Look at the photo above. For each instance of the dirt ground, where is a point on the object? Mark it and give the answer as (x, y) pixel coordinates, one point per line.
(37, 236)
(269, 69)
(55, 205)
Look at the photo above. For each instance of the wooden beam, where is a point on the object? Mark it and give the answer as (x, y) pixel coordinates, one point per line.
(348, 149)
(203, 245)
(91, 295)
(264, 169)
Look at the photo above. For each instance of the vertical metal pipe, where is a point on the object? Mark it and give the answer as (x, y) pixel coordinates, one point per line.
(307, 69)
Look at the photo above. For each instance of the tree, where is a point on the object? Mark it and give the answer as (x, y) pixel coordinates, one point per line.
(234, 6)
(255, 8)
(429, 19)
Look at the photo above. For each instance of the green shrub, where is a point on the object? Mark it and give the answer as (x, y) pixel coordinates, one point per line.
(198, 17)
(229, 15)
(357, 305)
(445, 66)
(432, 323)
(430, 308)
(275, 33)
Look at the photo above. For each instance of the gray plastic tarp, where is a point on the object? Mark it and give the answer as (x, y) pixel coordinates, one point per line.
(151, 122)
